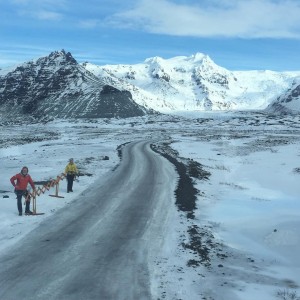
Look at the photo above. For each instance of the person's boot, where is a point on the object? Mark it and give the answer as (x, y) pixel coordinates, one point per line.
(28, 212)
(20, 213)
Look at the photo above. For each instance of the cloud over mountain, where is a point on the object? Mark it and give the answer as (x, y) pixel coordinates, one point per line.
(245, 19)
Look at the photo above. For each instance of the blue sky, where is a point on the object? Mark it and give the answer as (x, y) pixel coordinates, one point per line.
(236, 34)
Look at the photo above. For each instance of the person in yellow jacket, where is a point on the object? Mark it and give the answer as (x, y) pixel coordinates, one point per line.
(71, 171)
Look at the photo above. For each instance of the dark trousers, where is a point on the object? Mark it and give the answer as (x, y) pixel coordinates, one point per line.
(70, 179)
(19, 194)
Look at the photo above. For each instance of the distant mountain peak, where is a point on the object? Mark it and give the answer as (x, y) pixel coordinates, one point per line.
(57, 86)
(194, 58)
(198, 57)
(60, 56)
(154, 60)
(197, 60)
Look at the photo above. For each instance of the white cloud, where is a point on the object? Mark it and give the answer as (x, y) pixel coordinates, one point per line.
(41, 14)
(48, 15)
(42, 10)
(13, 54)
(236, 18)
(88, 24)
(4, 62)
(44, 3)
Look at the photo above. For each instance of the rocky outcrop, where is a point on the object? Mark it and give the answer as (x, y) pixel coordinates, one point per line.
(288, 102)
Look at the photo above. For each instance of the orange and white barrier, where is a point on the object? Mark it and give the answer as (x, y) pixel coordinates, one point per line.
(41, 190)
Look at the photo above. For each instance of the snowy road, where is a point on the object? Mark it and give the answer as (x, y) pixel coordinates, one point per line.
(100, 246)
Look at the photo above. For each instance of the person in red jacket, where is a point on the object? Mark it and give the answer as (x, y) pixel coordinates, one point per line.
(20, 182)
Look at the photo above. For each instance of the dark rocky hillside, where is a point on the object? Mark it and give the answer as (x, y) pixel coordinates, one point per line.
(57, 86)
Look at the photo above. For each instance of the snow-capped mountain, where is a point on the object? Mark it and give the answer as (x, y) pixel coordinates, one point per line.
(57, 86)
(194, 83)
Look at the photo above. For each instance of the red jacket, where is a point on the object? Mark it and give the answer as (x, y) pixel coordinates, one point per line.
(22, 181)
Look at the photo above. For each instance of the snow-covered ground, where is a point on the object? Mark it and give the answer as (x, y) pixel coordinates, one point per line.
(243, 242)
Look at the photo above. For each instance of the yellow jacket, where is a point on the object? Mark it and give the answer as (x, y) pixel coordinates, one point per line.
(71, 169)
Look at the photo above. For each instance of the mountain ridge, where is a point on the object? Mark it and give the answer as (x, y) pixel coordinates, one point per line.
(57, 86)
(195, 83)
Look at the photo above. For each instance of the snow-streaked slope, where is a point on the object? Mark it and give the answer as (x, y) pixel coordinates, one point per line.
(57, 86)
(288, 102)
(194, 83)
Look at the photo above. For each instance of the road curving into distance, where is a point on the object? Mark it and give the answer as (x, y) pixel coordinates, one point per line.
(100, 245)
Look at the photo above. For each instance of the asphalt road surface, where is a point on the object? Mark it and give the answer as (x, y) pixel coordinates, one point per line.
(99, 246)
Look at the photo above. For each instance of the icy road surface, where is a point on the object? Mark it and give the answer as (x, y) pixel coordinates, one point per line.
(100, 246)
